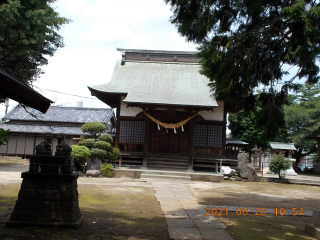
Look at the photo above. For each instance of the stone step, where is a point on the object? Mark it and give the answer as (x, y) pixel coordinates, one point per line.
(168, 163)
(166, 166)
(166, 173)
(168, 159)
(164, 177)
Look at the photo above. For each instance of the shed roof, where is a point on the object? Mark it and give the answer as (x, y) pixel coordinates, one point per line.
(159, 83)
(235, 142)
(61, 114)
(282, 146)
(12, 87)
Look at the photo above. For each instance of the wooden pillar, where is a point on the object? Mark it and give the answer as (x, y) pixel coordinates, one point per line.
(191, 146)
(146, 144)
(117, 124)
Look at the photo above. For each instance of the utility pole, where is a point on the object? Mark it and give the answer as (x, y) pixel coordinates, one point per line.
(7, 105)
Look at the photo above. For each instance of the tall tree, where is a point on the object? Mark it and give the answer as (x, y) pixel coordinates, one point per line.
(28, 33)
(243, 126)
(302, 118)
(249, 44)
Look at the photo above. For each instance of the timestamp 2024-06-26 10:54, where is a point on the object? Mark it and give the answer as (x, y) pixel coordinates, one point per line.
(258, 212)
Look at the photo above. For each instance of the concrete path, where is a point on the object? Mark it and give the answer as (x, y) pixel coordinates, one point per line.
(186, 219)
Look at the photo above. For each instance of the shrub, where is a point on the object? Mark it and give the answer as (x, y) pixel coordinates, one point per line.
(4, 136)
(89, 143)
(98, 153)
(80, 154)
(106, 170)
(106, 137)
(279, 163)
(93, 128)
(116, 153)
(103, 145)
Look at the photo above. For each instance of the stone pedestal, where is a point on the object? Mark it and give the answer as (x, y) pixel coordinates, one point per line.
(48, 194)
(291, 171)
(314, 229)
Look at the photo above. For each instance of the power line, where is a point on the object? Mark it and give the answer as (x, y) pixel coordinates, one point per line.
(66, 93)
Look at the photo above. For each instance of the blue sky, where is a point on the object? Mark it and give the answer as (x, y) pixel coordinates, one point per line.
(98, 27)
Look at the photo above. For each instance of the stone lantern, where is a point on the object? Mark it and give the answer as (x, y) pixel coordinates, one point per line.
(255, 151)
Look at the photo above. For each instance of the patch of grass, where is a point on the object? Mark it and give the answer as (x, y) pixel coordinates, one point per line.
(109, 213)
(266, 227)
(5, 162)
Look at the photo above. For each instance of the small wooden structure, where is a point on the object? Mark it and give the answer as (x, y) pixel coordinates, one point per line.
(288, 150)
(166, 118)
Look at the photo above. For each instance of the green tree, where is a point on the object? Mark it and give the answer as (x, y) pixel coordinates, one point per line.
(279, 164)
(89, 143)
(242, 126)
(106, 137)
(302, 118)
(94, 129)
(246, 44)
(4, 136)
(80, 155)
(28, 33)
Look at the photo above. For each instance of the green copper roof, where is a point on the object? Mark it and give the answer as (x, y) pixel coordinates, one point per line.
(159, 83)
(282, 146)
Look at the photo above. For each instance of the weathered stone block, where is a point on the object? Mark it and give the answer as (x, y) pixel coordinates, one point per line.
(246, 170)
(93, 173)
(316, 217)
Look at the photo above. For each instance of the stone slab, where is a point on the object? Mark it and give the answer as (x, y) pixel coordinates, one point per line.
(206, 223)
(316, 217)
(180, 223)
(184, 233)
(176, 214)
(313, 230)
(215, 234)
(197, 213)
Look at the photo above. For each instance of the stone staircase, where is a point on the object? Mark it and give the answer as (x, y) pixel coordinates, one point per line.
(165, 175)
(168, 162)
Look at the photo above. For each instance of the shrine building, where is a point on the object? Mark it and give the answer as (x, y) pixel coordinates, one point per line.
(166, 118)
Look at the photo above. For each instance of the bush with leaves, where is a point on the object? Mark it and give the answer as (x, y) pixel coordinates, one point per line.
(103, 145)
(80, 154)
(89, 143)
(106, 170)
(106, 137)
(96, 153)
(95, 129)
(4, 136)
(279, 164)
(116, 153)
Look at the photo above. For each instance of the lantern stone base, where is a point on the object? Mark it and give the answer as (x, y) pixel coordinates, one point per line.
(47, 199)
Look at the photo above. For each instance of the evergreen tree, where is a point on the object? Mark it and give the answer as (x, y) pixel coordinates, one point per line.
(28, 33)
(248, 44)
(302, 118)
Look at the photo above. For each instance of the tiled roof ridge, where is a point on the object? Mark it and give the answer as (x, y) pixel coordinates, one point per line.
(42, 124)
(155, 51)
(84, 108)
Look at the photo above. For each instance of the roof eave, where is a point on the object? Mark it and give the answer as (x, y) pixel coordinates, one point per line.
(22, 93)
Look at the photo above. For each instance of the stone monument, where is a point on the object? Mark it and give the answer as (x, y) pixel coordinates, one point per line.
(246, 170)
(255, 151)
(48, 194)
